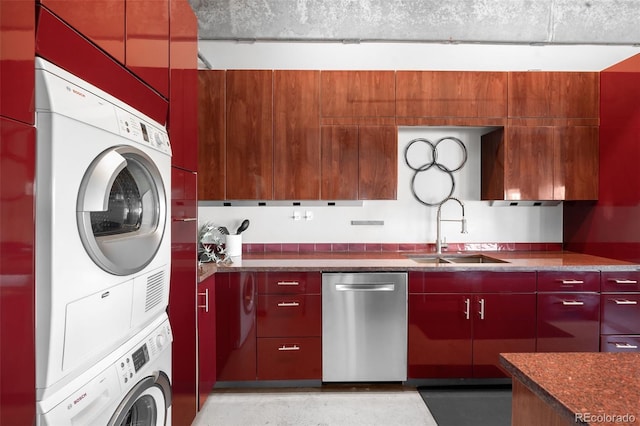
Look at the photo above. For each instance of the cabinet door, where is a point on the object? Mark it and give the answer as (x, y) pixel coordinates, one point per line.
(339, 163)
(568, 322)
(620, 313)
(528, 163)
(211, 135)
(17, 71)
(622, 343)
(502, 322)
(296, 147)
(378, 163)
(206, 339)
(17, 274)
(576, 163)
(439, 336)
(236, 334)
(289, 358)
(147, 42)
(357, 93)
(249, 156)
(101, 21)
(292, 315)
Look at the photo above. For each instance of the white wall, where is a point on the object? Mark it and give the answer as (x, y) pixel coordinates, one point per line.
(405, 219)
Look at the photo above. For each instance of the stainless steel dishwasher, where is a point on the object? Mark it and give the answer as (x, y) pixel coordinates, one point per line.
(364, 327)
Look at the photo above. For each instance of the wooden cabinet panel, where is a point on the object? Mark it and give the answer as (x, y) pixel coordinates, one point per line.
(357, 94)
(529, 163)
(576, 164)
(249, 153)
(451, 94)
(147, 42)
(211, 135)
(289, 315)
(17, 71)
(569, 281)
(101, 21)
(206, 338)
(339, 163)
(282, 358)
(296, 148)
(378, 163)
(554, 94)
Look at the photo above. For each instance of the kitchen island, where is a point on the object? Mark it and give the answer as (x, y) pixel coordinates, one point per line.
(574, 388)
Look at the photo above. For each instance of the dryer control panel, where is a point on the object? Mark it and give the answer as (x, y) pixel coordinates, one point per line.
(145, 133)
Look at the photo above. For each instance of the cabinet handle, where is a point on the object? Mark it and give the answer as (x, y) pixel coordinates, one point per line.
(625, 346)
(617, 281)
(572, 282)
(289, 304)
(185, 219)
(572, 303)
(466, 308)
(625, 302)
(288, 283)
(481, 309)
(289, 348)
(206, 300)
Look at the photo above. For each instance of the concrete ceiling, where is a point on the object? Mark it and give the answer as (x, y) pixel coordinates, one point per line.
(466, 21)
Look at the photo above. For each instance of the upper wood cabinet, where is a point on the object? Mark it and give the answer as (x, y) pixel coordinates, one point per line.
(565, 95)
(296, 147)
(359, 162)
(443, 94)
(211, 135)
(249, 141)
(358, 94)
(540, 163)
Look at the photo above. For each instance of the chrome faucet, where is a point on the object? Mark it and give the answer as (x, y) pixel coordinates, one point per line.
(439, 221)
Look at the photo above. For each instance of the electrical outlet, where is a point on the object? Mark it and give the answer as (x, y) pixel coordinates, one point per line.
(296, 215)
(308, 215)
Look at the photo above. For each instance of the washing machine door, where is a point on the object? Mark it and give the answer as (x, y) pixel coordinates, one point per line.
(122, 210)
(147, 404)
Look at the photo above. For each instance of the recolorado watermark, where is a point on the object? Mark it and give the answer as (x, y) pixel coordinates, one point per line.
(590, 418)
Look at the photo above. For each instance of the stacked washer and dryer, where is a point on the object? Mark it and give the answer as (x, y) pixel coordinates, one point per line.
(103, 253)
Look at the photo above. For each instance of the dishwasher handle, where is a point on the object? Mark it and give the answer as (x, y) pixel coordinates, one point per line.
(366, 287)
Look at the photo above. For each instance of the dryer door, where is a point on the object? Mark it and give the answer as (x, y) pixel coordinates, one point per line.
(122, 210)
(147, 404)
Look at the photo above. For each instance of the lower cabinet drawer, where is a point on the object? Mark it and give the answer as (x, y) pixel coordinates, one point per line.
(620, 313)
(620, 343)
(289, 315)
(568, 322)
(284, 358)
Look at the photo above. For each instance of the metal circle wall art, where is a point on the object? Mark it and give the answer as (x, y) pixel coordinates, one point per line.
(434, 163)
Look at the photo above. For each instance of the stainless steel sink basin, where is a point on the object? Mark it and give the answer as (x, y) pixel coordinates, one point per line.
(471, 258)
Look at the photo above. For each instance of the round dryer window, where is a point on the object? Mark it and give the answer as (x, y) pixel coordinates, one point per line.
(122, 210)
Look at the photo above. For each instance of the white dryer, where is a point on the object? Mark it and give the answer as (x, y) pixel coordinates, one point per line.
(131, 386)
(103, 249)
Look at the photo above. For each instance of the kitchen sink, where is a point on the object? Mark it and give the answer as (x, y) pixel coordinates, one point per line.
(471, 258)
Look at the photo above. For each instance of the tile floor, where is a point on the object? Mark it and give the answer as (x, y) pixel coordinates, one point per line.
(332, 406)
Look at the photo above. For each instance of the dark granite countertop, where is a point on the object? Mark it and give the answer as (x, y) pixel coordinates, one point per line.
(596, 388)
(400, 261)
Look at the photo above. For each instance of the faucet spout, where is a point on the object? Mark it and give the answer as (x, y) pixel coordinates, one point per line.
(439, 221)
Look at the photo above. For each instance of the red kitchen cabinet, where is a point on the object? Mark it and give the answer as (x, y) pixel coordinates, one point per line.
(236, 331)
(289, 326)
(620, 304)
(206, 338)
(182, 295)
(17, 73)
(460, 321)
(17, 275)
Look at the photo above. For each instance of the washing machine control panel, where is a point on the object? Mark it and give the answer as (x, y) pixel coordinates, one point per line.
(133, 363)
(143, 132)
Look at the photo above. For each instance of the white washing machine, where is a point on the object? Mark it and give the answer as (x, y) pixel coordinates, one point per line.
(103, 249)
(131, 386)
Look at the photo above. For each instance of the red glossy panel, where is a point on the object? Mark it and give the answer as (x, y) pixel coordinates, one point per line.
(183, 36)
(289, 282)
(101, 21)
(236, 334)
(147, 42)
(17, 27)
(620, 281)
(479, 281)
(17, 276)
(439, 337)
(289, 315)
(61, 45)
(206, 338)
(182, 299)
(568, 281)
(289, 358)
(509, 325)
(620, 313)
(620, 344)
(568, 322)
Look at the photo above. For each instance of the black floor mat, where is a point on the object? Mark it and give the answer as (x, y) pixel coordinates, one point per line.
(469, 405)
